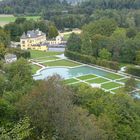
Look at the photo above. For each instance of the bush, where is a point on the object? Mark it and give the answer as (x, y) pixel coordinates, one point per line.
(133, 70)
(91, 60)
(19, 53)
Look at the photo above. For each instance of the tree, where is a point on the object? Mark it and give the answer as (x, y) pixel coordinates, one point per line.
(117, 39)
(130, 85)
(42, 26)
(7, 112)
(15, 31)
(138, 58)
(19, 131)
(52, 31)
(4, 38)
(133, 70)
(131, 33)
(2, 51)
(99, 42)
(19, 74)
(53, 114)
(2, 84)
(118, 114)
(104, 54)
(20, 20)
(74, 43)
(86, 47)
(128, 51)
(104, 27)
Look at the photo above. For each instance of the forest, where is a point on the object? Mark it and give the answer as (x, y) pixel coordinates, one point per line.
(48, 110)
(65, 15)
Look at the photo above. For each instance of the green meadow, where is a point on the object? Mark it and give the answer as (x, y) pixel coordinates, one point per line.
(5, 19)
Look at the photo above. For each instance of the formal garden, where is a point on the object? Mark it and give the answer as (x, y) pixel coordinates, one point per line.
(110, 82)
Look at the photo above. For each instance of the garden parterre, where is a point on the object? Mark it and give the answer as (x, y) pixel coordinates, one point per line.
(112, 82)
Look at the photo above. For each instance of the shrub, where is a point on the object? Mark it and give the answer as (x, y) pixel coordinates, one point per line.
(19, 53)
(91, 60)
(133, 70)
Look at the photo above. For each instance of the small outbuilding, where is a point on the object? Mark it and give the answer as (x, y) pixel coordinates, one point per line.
(9, 58)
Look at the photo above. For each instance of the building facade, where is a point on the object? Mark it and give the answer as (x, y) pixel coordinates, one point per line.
(34, 40)
(56, 41)
(9, 58)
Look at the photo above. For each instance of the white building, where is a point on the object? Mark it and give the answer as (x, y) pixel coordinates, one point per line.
(56, 41)
(9, 58)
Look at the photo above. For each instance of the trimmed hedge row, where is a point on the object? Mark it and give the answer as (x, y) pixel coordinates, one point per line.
(133, 70)
(91, 60)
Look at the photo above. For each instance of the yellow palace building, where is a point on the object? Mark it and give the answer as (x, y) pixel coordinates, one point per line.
(34, 40)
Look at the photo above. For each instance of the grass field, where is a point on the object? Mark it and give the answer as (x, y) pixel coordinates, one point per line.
(85, 77)
(119, 90)
(35, 68)
(97, 81)
(110, 85)
(62, 63)
(46, 59)
(39, 54)
(69, 81)
(113, 76)
(123, 80)
(5, 19)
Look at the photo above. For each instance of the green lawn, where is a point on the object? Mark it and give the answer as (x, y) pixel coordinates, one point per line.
(13, 18)
(5, 19)
(113, 76)
(79, 84)
(72, 80)
(37, 54)
(110, 85)
(85, 77)
(123, 80)
(46, 59)
(62, 63)
(119, 90)
(97, 81)
(35, 68)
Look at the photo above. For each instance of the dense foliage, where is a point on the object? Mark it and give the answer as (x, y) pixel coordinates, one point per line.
(5, 39)
(27, 6)
(134, 70)
(104, 40)
(54, 110)
(113, 112)
(21, 25)
(65, 15)
(92, 60)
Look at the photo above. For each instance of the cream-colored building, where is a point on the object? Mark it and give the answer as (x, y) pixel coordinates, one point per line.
(56, 41)
(34, 40)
